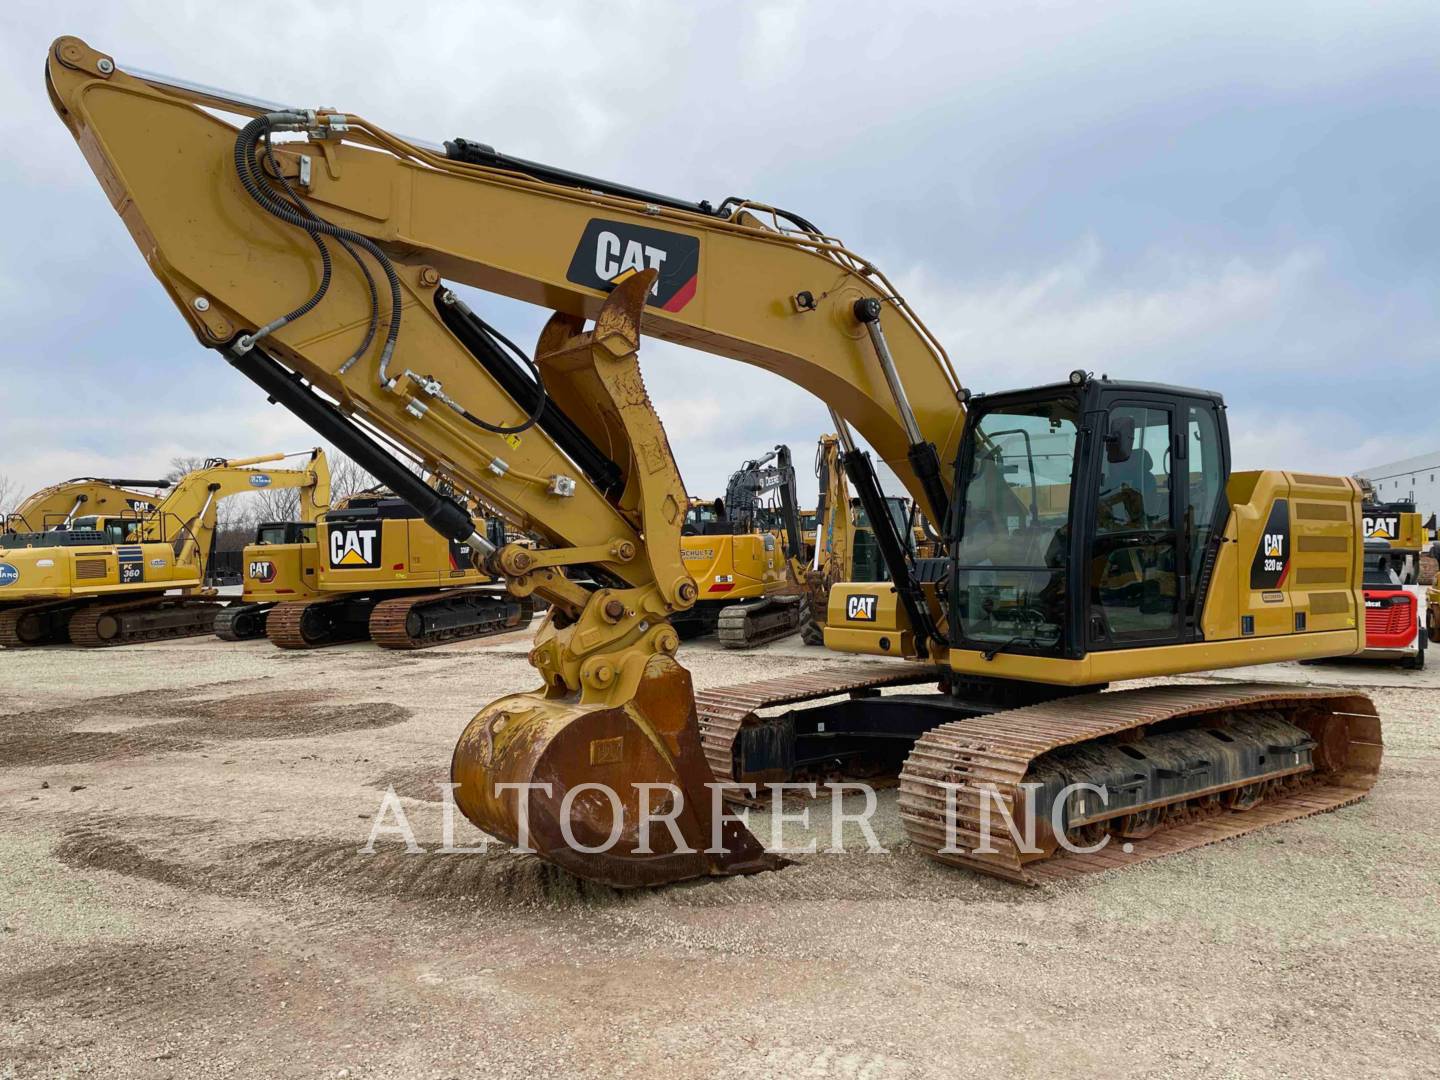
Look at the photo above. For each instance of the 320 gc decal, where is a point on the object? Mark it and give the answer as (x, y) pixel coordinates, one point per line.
(611, 251)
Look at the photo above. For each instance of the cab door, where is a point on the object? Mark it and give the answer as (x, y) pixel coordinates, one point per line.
(1134, 587)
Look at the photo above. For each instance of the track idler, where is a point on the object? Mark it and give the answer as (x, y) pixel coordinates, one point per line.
(589, 768)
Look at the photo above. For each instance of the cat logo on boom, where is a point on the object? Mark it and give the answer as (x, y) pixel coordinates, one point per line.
(354, 547)
(609, 252)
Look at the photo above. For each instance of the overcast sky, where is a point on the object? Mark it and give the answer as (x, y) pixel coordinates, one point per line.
(1239, 196)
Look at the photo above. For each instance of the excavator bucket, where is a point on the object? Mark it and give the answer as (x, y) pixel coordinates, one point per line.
(620, 795)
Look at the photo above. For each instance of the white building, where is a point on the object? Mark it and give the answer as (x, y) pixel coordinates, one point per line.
(1415, 478)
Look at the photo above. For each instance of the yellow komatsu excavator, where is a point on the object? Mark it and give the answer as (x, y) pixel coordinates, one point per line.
(746, 567)
(57, 506)
(1093, 531)
(127, 578)
(367, 570)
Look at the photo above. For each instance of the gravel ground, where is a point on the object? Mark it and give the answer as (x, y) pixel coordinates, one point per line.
(181, 895)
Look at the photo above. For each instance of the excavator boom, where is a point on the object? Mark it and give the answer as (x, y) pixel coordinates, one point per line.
(56, 506)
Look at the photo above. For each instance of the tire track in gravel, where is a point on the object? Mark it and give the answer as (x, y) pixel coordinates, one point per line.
(179, 723)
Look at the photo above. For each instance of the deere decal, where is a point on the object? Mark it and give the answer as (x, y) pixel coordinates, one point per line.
(611, 251)
(1272, 555)
(354, 547)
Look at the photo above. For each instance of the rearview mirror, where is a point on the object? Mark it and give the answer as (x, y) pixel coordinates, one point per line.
(1119, 439)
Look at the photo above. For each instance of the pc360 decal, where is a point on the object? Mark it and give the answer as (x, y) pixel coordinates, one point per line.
(609, 252)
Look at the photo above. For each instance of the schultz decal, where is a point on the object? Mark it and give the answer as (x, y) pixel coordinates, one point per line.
(260, 479)
(1272, 555)
(611, 251)
(860, 607)
(8, 574)
(355, 547)
(262, 570)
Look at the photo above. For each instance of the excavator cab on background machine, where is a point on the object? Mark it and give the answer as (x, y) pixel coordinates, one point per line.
(1092, 531)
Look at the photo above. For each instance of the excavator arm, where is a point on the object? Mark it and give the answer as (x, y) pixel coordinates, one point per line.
(312, 247)
(187, 516)
(56, 506)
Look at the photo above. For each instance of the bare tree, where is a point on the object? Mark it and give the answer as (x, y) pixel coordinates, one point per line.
(9, 495)
(181, 465)
(347, 478)
(276, 504)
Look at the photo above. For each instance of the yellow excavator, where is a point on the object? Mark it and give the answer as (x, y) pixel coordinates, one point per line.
(125, 578)
(1093, 530)
(57, 506)
(369, 569)
(746, 565)
(845, 546)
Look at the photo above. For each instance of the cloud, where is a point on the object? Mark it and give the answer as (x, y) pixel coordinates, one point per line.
(1232, 197)
(1081, 312)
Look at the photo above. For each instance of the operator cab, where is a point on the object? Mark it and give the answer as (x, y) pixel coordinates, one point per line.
(285, 532)
(1087, 517)
(868, 562)
(707, 519)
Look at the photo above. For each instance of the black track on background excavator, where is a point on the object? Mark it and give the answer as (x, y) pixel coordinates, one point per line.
(744, 626)
(421, 622)
(28, 625)
(414, 621)
(242, 622)
(134, 622)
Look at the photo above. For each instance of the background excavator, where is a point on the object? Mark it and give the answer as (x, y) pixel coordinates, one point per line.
(1093, 530)
(367, 569)
(57, 506)
(745, 553)
(128, 577)
(845, 545)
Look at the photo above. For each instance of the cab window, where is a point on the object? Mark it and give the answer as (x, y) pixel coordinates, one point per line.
(1018, 472)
